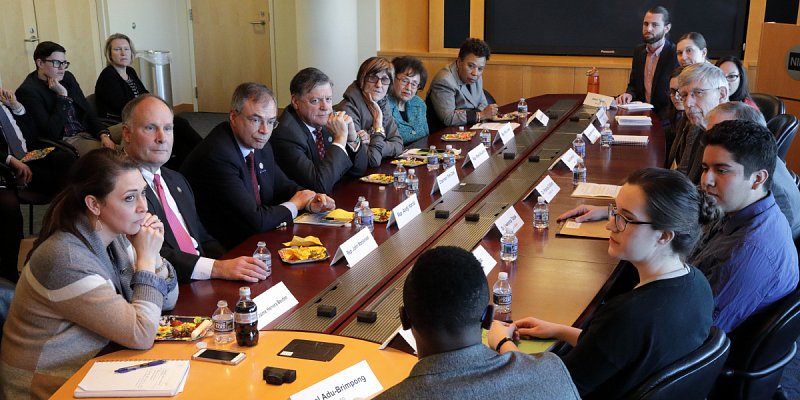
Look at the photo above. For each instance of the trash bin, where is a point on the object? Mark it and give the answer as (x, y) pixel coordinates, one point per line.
(153, 69)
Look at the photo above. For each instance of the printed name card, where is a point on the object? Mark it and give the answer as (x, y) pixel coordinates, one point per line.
(505, 133)
(404, 334)
(547, 188)
(487, 261)
(594, 99)
(445, 181)
(570, 159)
(356, 248)
(541, 117)
(273, 303)
(356, 382)
(591, 133)
(404, 212)
(509, 221)
(601, 115)
(476, 156)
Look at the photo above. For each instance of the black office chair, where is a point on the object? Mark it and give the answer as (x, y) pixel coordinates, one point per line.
(434, 123)
(784, 128)
(760, 349)
(104, 119)
(769, 105)
(691, 377)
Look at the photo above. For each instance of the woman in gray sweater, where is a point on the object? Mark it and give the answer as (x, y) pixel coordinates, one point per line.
(95, 276)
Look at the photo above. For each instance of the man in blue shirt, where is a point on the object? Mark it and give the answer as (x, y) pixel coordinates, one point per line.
(748, 255)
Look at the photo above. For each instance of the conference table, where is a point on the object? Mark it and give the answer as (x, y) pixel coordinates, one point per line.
(561, 279)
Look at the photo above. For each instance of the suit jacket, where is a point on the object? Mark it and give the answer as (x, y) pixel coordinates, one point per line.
(226, 203)
(297, 155)
(23, 123)
(380, 146)
(47, 111)
(112, 92)
(659, 94)
(448, 94)
(182, 194)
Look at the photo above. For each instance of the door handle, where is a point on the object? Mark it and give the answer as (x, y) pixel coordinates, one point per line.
(259, 22)
(32, 39)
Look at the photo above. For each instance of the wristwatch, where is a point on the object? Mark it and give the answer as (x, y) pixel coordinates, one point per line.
(501, 343)
(378, 130)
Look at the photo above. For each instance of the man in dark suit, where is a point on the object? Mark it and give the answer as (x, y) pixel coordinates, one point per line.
(240, 189)
(312, 154)
(58, 108)
(653, 62)
(147, 132)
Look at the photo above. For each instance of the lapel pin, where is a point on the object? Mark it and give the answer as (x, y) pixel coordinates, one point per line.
(260, 165)
(179, 189)
(330, 139)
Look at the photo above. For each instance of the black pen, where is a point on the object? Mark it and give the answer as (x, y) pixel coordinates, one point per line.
(140, 366)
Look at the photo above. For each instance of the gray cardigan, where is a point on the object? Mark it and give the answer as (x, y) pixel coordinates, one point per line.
(380, 146)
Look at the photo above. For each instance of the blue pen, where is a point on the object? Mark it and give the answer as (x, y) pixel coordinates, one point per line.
(140, 366)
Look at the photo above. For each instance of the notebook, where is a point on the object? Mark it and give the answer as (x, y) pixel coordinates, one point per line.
(163, 380)
(633, 120)
(631, 140)
(596, 191)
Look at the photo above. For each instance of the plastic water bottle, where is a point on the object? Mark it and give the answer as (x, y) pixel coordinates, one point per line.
(400, 176)
(541, 214)
(449, 157)
(245, 319)
(367, 218)
(223, 323)
(433, 159)
(579, 145)
(522, 108)
(262, 253)
(579, 173)
(606, 137)
(486, 138)
(357, 212)
(412, 183)
(501, 296)
(509, 245)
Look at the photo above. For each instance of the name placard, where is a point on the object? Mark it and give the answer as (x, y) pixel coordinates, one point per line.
(487, 261)
(445, 181)
(356, 382)
(591, 133)
(594, 99)
(405, 334)
(570, 159)
(476, 156)
(273, 303)
(356, 248)
(601, 115)
(505, 133)
(547, 188)
(541, 117)
(404, 212)
(509, 221)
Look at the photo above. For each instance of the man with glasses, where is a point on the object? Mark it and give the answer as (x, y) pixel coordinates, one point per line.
(702, 87)
(653, 61)
(238, 186)
(314, 146)
(456, 95)
(56, 104)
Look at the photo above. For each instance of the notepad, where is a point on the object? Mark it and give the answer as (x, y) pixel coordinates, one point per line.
(636, 106)
(634, 140)
(593, 229)
(633, 120)
(596, 191)
(164, 380)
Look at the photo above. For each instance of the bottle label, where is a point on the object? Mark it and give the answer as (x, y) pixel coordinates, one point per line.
(501, 299)
(246, 318)
(223, 325)
(366, 220)
(509, 248)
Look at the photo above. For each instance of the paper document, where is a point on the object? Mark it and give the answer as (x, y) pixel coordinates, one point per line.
(163, 380)
(593, 229)
(495, 126)
(633, 120)
(636, 106)
(631, 139)
(596, 191)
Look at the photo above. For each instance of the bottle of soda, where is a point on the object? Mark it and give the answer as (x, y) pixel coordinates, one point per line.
(223, 323)
(245, 319)
(262, 253)
(541, 214)
(412, 183)
(501, 297)
(433, 159)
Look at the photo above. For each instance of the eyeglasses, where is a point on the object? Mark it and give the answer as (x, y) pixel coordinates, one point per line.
(696, 94)
(674, 93)
(408, 82)
(620, 221)
(374, 78)
(257, 121)
(732, 77)
(58, 63)
(314, 101)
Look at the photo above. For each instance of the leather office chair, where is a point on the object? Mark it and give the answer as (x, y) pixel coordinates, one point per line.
(784, 128)
(104, 120)
(769, 105)
(691, 377)
(760, 348)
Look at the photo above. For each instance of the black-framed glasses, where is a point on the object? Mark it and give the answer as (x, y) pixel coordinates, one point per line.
(58, 63)
(696, 94)
(732, 77)
(374, 78)
(620, 221)
(674, 93)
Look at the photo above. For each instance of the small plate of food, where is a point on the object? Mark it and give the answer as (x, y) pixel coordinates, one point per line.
(178, 328)
(303, 254)
(380, 179)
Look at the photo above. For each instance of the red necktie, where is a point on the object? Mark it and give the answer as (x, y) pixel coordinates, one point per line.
(320, 143)
(253, 180)
(183, 238)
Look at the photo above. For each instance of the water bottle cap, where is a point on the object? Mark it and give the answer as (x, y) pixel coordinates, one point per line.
(365, 204)
(244, 291)
(502, 276)
(521, 99)
(578, 136)
(540, 199)
(222, 303)
(261, 244)
(448, 147)
(433, 147)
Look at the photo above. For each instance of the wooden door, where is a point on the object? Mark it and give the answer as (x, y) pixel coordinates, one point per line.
(231, 46)
(18, 39)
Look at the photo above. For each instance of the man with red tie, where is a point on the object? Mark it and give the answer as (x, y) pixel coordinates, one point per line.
(239, 188)
(147, 133)
(310, 146)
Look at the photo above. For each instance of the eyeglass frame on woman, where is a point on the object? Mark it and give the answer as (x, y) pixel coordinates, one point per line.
(406, 81)
(696, 93)
(612, 213)
(732, 77)
(58, 63)
(372, 78)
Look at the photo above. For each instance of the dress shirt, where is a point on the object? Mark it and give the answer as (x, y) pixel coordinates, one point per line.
(288, 204)
(202, 269)
(650, 69)
(10, 114)
(314, 135)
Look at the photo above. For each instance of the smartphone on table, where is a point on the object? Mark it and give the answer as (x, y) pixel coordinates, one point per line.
(219, 356)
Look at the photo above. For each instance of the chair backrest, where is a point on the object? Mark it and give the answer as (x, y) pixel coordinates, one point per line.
(769, 105)
(689, 378)
(784, 128)
(434, 123)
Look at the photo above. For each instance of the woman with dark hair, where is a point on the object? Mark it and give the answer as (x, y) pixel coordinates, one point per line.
(676, 120)
(408, 109)
(734, 72)
(691, 49)
(365, 101)
(654, 225)
(95, 276)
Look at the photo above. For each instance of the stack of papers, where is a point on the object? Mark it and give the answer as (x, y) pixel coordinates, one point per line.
(637, 106)
(596, 191)
(632, 140)
(593, 229)
(633, 120)
(162, 380)
(495, 126)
